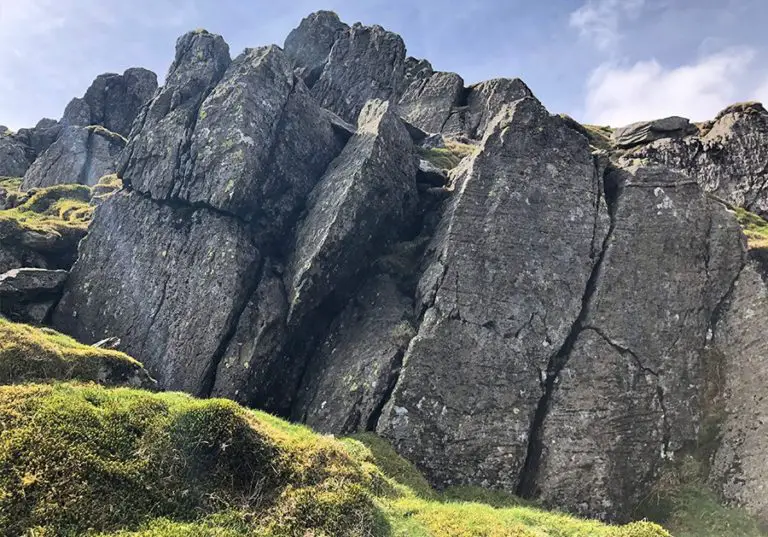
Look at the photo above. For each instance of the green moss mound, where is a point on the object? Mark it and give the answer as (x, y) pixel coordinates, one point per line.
(39, 354)
(88, 460)
(448, 157)
(755, 228)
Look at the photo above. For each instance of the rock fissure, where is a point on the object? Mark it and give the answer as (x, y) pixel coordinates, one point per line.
(527, 484)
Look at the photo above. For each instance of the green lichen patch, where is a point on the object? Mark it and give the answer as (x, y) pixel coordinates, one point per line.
(40, 354)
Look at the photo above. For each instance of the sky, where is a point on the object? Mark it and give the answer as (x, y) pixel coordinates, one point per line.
(607, 62)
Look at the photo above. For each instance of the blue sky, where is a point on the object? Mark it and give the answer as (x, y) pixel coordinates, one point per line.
(602, 61)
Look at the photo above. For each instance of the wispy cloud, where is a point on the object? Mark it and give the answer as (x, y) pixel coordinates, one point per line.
(619, 95)
(600, 20)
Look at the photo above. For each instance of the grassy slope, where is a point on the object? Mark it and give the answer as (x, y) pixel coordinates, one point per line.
(755, 228)
(76, 458)
(34, 354)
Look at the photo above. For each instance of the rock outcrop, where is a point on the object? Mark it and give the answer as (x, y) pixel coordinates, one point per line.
(728, 159)
(80, 155)
(112, 101)
(644, 132)
(540, 319)
(14, 160)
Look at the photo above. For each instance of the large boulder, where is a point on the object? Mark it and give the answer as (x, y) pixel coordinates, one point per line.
(510, 262)
(628, 396)
(429, 97)
(644, 132)
(309, 44)
(169, 282)
(80, 155)
(41, 136)
(361, 203)
(366, 62)
(728, 159)
(29, 294)
(113, 101)
(481, 103)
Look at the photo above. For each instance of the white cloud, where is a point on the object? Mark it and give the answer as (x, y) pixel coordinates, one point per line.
(600, 20)
(647, 90)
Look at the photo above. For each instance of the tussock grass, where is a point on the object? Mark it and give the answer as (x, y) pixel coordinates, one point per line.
(61, 210)
(448, 157)
(755, 228)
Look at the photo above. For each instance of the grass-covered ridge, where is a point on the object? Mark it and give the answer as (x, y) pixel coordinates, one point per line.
(40, 354)
(85, 460)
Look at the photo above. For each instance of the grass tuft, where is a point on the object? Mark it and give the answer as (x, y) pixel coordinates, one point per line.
(448, 157)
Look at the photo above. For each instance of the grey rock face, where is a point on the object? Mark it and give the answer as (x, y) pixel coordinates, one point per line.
(429, 97)
(495, 312)
(260, 143)
(366, 62)
(41, 137)
(169, 282)
(349, 377)
(13, 156)
(483, 102)
(28, 295)
(113, 101)
(310, 43)
(628, 397)
(648, 131)
(739, 471)
(729, 160)
(157, 154)
(80, 155)
(362, 201)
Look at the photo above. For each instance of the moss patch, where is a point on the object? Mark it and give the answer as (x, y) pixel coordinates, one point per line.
(755, 228)
(77, 460)
(107, 186)
(34, 354)
(448, 157)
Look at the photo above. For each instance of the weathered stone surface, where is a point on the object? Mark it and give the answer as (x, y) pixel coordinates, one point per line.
(80, 155)
(156, 156)
(647, 131)
(356, 366)
(169, 282)
(429, 97)
(366, 62)
(13, 156)
(28, 295)
(261, 142)
(739, 471)
(365, 198)
(729, 160)
(41, 137)
(627, 398)
(483, 103)
(113, 100)
(36, 248)
(309, 44)
(510, 262)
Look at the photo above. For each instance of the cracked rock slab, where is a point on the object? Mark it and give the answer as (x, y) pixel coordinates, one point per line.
(510, 261)
(169, 282)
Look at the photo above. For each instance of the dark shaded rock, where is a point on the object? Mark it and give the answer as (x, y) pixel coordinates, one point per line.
(80, 155)
(28, 295)
(429, 97)
(13, 156)
(627, 398)
(481, 103)
(366, 62)
(112, 101)
(41, 137)
(430, 174)
(355, 367)
(157, 154)
(364, 199)
(729, 160)
(510, 262)
(310, 44)
(261, 142)
(644, 132)
(169, 282)
(739, 471)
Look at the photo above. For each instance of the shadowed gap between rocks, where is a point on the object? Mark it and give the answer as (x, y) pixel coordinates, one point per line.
(527, 486)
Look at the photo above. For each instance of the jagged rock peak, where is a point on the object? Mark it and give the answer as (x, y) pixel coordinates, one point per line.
(112, 101)
(310, 43)
(201, 57)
